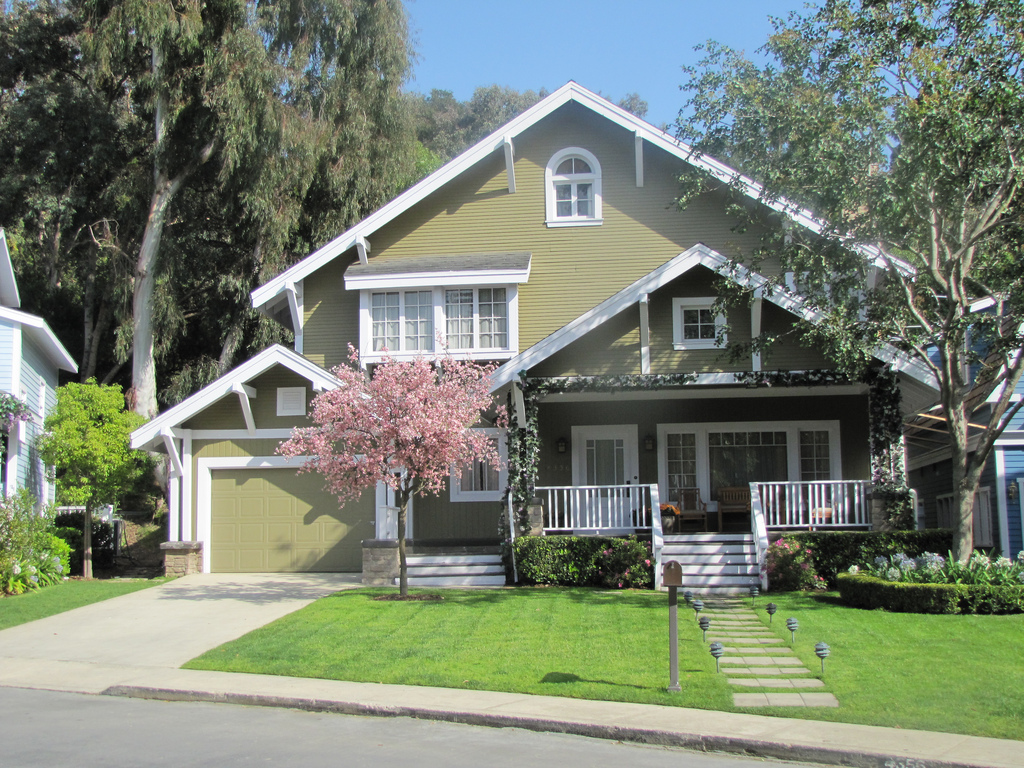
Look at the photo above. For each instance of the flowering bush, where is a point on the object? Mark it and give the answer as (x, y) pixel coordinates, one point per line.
(931, 568)
(577, 561)
(625, 564)
(790, 566)
(31, 556)
(12, 410)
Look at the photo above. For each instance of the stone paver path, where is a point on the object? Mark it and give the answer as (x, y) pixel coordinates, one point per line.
(755, 658)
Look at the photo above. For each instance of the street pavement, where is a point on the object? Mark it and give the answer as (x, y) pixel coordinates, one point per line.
(133, 645)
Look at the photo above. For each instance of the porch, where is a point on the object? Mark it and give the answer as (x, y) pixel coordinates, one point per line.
(739, 525)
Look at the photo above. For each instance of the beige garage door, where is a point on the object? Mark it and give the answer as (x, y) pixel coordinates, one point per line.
(271, 520)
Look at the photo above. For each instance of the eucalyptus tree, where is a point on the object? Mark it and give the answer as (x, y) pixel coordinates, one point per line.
(901, 126)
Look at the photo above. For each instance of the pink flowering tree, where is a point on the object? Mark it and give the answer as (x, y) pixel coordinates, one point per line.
(407, 425)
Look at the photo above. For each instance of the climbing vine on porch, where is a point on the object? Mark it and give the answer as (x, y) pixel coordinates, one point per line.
(886, 424)
(12, 410)
(523, 460)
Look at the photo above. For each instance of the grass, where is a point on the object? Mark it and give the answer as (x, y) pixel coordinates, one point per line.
(962, 674)
(40, 603)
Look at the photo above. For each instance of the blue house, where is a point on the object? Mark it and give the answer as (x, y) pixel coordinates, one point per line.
(31, 358)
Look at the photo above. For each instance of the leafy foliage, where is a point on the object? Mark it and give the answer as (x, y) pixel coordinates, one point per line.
(31, 556)
(864, 591)
(901, 126)
(581, 561)
(790, 566)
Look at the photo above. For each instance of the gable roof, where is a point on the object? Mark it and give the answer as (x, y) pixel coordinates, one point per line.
(151, 433)
(8, 284)
(269, 292)
(698, 255)
(37, 329)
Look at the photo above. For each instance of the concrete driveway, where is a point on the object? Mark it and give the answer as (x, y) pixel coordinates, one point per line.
(107, 643)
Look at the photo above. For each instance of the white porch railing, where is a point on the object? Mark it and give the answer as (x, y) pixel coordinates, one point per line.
(598, 508)
(819, 504)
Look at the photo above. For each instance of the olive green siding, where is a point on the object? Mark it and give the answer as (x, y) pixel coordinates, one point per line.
(331, 315)
(437, 518)
(788, 354)
(573, 268)
(226, 413)
(557, 419)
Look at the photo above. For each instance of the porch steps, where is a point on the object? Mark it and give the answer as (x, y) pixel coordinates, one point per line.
(714, 563)
(455, 570)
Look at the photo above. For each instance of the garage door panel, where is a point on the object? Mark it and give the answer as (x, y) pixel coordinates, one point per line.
(278, 520)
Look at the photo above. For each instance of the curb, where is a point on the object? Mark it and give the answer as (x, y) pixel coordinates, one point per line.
(692, 741)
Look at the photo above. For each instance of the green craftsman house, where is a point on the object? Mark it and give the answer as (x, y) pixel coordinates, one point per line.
(554, 249)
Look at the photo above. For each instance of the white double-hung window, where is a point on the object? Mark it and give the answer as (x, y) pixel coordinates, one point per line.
(481, 480)
(402, 321)
(476, 318)
(573, 188)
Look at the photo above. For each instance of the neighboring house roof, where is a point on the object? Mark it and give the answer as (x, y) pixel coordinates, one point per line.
(698, 255)
(36, 329)
(470, 269)
(271, 292)
(8, 284)
(150, 435)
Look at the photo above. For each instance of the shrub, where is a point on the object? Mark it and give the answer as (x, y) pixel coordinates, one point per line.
(69, 526)
(864, 591)
(790, 566)
(578, 561)
(930, 568)
(31, 556)
(835, 551)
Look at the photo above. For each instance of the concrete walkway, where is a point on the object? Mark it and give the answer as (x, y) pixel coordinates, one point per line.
(133, 646)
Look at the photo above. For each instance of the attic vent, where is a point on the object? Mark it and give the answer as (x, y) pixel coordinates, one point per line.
(291, 401)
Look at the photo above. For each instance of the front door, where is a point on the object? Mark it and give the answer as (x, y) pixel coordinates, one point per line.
(603, 457)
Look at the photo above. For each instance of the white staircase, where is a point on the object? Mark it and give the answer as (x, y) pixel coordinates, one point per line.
(714, 563)
(455, 570)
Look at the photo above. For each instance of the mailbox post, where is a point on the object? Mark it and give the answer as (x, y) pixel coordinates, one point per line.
(672, 577)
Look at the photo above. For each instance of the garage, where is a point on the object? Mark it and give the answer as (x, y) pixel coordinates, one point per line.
(276, 520)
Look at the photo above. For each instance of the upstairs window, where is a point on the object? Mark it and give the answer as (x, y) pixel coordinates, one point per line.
(476, 318)
(573, 193)
(696, 325)
(402, 321)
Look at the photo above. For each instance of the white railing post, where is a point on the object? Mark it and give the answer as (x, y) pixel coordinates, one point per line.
(760, 530)
(657, 534)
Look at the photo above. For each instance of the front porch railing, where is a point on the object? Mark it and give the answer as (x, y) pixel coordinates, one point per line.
(819, 504)
(598, 508)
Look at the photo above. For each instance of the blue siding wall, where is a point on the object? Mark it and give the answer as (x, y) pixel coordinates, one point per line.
(1014, 469)
(6, 356)
(38, 388)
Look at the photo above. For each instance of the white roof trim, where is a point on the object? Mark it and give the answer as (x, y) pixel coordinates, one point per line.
(442, 279)
(8, 283)
(40, 333)
(571, 91)
(149, 434)
(698, 255)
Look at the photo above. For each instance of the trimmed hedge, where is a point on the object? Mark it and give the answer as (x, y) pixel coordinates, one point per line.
(833, 552)
(862, 591)
(582, 561)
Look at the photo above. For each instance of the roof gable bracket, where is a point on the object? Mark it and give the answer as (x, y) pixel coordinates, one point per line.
(510, 158)
(362, 248)
(756, 307)
(293, 293)
(638, 149)
(244, 392)
(177, 470)
(645, 333)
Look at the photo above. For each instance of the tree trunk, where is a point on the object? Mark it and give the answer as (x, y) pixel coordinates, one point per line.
(87, 543)
(402, 499)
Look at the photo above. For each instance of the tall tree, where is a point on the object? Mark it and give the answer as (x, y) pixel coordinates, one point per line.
(407, 425)
(900, 125)
(294, 104)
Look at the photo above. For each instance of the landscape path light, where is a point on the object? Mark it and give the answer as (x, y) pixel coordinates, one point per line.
(704, 623)
(792, 625)
(822, 650)
(717, 649)
(754, 592)
(698, 606)
(771, 608)
(688, 596)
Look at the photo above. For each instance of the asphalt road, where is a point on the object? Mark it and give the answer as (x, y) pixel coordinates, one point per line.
(50, 729)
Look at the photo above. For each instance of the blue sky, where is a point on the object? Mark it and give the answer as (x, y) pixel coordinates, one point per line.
(611, 46)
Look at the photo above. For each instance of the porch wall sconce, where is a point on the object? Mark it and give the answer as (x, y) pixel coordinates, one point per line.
(562, 445)
(1011, 490)
(649, 443)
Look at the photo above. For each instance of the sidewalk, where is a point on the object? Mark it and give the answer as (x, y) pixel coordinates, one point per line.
(49, 665)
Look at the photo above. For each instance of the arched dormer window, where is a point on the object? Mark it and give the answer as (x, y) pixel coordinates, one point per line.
(573, 188)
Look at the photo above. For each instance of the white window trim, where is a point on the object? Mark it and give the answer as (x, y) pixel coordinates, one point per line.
(283, 408)
(368, 355)
(550, 208)
(699, 302)
(455, 477)
(791, 428)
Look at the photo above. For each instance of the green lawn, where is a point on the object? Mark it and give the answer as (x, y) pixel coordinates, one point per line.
(960, 674)
(39, 604)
